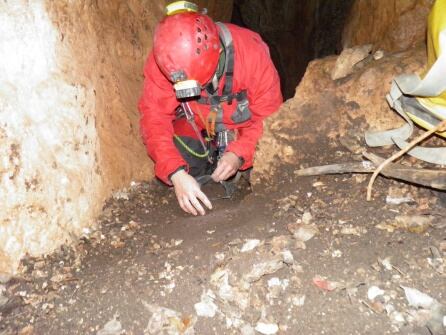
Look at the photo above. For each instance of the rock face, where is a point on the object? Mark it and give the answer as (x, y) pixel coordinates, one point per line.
(69, 133)
(392, 25)
(327, 114)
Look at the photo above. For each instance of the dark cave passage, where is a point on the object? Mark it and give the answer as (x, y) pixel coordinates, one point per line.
(296, 32)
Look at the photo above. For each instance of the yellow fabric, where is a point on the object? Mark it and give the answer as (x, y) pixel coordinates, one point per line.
(424, 124)
(436, 24)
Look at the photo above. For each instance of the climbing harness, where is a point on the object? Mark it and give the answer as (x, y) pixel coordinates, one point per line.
(214, 122)
(422, 101)
(217, 134)
(215, 129)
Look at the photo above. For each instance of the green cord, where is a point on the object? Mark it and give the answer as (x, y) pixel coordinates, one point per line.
(189, 150)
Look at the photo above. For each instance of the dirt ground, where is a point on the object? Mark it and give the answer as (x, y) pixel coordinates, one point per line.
(305, 255)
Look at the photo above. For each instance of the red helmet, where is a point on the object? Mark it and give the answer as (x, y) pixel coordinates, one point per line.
(186, 47)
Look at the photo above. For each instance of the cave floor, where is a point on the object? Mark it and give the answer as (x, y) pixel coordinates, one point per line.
(319, 264)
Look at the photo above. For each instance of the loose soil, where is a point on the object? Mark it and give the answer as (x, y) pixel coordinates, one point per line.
(146, 251)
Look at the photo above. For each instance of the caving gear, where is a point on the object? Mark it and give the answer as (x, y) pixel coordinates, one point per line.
(242, 113)
(216, 131)
(188, 113)
(254, 74)
(186, 47)
(422, 101)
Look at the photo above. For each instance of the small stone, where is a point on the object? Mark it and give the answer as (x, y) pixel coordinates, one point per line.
(250, 245)
(373, 292)
(304, 233)
(357, 231)
(348, 59)
(206, 307)
(288, 257)
(398, 200)
(300, 245)
(247, 330)
(418, 299)
(264, 268)
(267, 328)
(112, 327)
(378, 54)
(298, 300)
(414, 223)
(306, 218)
(397, 317)
(278, 243)
(274, 282)
(386, 263)
(168, 321)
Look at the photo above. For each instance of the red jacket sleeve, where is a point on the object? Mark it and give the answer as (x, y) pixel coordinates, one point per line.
(157, 108)
(264, 98)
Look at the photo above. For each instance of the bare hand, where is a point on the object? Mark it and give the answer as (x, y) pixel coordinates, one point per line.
(228, 166)
(188, 193)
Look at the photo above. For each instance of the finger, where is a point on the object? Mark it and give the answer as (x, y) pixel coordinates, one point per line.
(228, 172)
(198, 206)
(190, 208)
(181, 202)
(216, 176)
(204, 199)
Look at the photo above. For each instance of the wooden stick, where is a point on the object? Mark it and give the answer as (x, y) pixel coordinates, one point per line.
(356, 167)
(397, 155)
(420, 176)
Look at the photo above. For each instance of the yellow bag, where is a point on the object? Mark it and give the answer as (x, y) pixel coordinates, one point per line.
(436, 52)
(422, 101)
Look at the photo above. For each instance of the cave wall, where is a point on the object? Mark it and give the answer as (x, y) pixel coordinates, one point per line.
(69, 133)
(326, 115)
(390, 25)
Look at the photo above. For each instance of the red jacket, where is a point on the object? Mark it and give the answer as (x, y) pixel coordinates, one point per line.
(253, 71)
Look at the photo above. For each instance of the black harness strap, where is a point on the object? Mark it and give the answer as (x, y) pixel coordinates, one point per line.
(242, 112)
(229, 68)
(217, 99)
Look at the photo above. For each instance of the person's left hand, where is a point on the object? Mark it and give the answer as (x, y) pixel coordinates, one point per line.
(227, 166)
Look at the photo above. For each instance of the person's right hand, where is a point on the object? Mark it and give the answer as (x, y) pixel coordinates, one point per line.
(188, 193)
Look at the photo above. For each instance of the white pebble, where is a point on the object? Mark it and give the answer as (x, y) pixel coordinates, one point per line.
(250, 245)
(267, 328)
(373, 292)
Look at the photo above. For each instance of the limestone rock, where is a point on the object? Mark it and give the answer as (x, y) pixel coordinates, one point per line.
(392, 25)
(348, 59)
(69, 123)
(324, 111)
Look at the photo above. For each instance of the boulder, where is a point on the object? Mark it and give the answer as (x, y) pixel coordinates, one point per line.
(326, 113)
